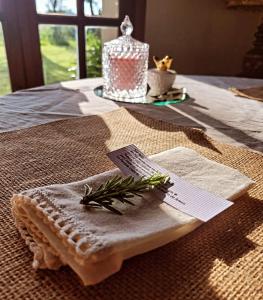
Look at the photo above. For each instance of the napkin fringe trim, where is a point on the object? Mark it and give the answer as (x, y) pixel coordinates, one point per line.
(45, 256)
(79, 244)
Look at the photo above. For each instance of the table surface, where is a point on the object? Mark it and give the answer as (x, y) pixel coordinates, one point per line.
(224, 116)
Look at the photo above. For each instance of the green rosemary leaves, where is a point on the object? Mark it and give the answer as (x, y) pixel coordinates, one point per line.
(120, 189)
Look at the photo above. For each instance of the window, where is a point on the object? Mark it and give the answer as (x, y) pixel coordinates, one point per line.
(59, 7)
(4, 72)
(95, 38)
(102, 8)
(58, 44)
(49, 41)
(69, 26)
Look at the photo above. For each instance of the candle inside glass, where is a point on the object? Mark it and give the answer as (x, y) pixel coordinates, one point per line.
(125, 63)
(126, 72)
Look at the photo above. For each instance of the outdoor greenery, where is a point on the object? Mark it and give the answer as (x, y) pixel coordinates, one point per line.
(93, 52)
(4, 75)
(59, 52)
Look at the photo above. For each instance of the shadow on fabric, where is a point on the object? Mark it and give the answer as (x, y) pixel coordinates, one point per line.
(202, 265)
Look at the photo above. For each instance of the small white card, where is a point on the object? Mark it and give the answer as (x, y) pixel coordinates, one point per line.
(180, 194)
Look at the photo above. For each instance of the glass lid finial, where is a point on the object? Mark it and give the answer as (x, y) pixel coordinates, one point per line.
(126, 26)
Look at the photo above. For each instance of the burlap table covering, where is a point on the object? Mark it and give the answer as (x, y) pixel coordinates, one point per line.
(255, 93)
(222, 259)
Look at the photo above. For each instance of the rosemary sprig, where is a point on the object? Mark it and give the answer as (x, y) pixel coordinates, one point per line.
(120, 189)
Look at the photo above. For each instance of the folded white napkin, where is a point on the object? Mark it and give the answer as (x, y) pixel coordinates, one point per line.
(94, 243)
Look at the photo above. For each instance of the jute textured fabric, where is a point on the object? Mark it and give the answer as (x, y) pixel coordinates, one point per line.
(220, 260)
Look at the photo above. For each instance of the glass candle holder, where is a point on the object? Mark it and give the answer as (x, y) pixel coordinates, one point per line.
(125, 64)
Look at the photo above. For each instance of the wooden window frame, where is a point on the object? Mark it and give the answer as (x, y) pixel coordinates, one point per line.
(20, 22)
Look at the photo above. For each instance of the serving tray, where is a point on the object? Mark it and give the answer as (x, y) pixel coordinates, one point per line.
(173, 96)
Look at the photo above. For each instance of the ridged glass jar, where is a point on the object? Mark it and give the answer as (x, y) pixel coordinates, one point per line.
(125, 64)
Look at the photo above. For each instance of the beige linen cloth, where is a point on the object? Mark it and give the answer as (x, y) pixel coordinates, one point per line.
(94, 243)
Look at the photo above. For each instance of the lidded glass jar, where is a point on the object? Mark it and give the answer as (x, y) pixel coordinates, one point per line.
(125, 64)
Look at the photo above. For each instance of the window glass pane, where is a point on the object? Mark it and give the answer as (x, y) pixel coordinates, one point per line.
(102, 8)
(61, 7)
(59, 52)
(95, 38)
(4, 72)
